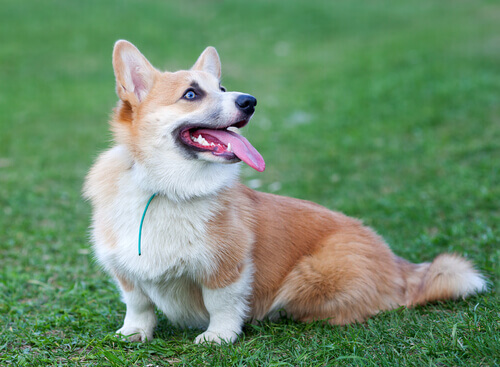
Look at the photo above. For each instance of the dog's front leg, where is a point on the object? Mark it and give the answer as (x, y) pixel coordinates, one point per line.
(228, 308)
(140, 319)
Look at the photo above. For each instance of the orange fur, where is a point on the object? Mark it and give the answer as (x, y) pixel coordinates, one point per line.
(230, 241)
(102, 185)
(124, 283)
(316, 263)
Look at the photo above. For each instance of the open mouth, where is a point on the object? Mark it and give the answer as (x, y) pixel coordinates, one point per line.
(223, 143)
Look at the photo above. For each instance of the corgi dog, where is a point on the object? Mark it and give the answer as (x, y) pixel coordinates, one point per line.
(216, 254)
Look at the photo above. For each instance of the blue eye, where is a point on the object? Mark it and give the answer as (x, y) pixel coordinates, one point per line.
(190, 94)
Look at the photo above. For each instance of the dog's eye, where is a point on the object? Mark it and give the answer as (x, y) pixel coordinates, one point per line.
(222, 89)
(190, 94)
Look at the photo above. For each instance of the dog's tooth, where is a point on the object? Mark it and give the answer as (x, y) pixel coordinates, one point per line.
(201, 140)
(229, 149)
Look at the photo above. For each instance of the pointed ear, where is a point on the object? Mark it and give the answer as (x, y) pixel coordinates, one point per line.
(134, 74)
(209, 62)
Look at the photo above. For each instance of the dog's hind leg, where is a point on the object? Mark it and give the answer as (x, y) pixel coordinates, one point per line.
(348, 278)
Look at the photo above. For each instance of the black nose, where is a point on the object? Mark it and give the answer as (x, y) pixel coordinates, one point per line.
(246, 103)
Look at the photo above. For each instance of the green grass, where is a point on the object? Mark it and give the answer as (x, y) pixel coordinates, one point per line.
(386, 110)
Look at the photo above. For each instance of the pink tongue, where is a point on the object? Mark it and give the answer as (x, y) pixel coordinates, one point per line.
(241, 147)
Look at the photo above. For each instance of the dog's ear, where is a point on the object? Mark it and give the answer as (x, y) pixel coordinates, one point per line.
(134, 74)
(208, 61)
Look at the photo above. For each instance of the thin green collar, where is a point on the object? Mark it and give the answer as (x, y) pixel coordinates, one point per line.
(142, 219)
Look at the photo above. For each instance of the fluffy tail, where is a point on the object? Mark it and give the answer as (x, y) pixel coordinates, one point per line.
(447, 277)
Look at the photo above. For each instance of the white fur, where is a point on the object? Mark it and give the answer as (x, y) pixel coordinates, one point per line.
(454, 273)
(174, 297)
(174, 254)
(172, 235)
(140, 318)
(228, 308)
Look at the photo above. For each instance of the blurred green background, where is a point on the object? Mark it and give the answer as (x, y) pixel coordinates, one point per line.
(385, 110)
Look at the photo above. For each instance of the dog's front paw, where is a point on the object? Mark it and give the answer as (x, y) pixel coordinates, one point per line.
(134, 334)
(216, 337)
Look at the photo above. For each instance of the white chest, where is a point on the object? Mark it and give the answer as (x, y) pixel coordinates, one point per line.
(173, 239)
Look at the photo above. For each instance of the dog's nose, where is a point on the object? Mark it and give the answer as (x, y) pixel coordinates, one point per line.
(246, 103)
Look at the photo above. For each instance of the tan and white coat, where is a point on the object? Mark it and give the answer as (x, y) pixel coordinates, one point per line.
(216, 253)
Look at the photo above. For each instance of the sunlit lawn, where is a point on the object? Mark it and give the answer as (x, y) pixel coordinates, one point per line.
(388, 111)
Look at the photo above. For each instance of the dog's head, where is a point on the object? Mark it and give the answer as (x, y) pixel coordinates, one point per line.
(181, 123)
